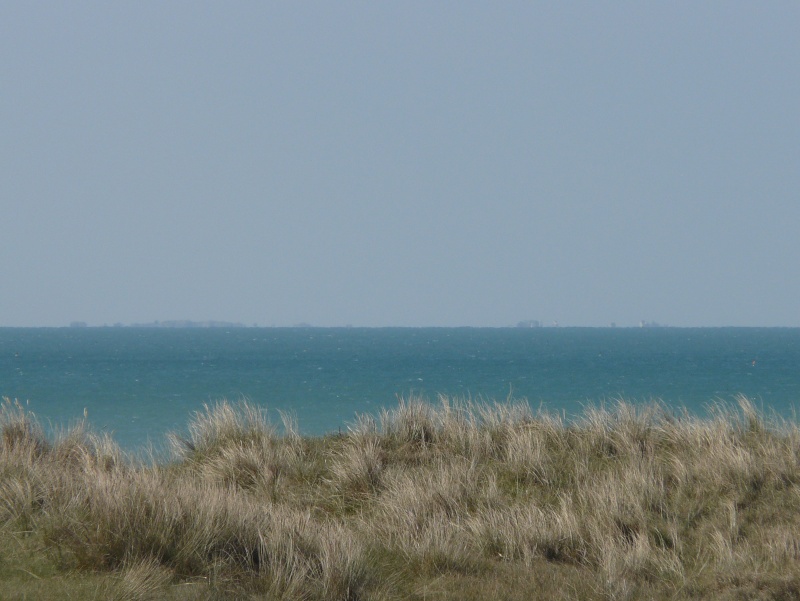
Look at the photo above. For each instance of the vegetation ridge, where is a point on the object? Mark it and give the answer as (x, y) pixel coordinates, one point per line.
(452, 500)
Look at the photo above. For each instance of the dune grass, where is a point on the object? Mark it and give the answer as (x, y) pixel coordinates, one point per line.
(450, 500)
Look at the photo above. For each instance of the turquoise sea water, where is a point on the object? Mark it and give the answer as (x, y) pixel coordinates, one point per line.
(140, 383)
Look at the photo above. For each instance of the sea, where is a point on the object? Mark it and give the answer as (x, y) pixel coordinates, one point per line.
(138, 384)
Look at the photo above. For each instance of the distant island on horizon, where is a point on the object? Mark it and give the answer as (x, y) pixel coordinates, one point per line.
(525, 324)
(187, 323)
(174, 323)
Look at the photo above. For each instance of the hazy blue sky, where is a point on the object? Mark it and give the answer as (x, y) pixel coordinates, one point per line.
(400, 164)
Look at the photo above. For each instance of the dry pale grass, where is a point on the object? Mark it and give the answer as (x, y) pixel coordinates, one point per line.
(455, 500)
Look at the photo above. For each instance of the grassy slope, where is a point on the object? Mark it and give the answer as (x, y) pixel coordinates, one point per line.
(456, 501)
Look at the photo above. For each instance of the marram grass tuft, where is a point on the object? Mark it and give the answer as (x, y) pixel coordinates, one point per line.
(451, 500)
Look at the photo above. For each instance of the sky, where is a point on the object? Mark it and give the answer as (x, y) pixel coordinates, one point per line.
(400, 164)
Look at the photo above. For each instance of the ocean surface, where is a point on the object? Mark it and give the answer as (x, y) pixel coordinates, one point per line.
(140, 383)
